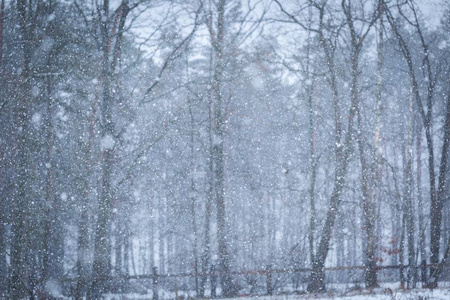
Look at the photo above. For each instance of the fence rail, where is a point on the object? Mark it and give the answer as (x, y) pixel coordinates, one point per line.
(262, 271)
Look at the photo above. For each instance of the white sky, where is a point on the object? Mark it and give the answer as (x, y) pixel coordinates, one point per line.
(432, 10)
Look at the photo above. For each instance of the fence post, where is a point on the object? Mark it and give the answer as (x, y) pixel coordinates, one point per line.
(213, 281)
(269, 280)
(155, 283)
(423, 273)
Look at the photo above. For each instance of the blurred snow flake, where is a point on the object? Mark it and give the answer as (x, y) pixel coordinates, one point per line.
(63, 196)
(36, 119)
(54, 289)
(35, 91)
(107, 142)
(51, 17)
(442, 45)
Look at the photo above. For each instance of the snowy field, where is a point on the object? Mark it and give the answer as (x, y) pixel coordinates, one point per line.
(387, 291)
(420, 294)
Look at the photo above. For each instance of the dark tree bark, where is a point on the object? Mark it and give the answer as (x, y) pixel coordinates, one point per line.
(83, 222)
(409, 209)
(371, 275)
(3, 229)
(206, 247)
(192, 199)
(2, 22)
(53, 248)
(423, 254)
(19, 277)
(102, 241)
(218, 134)
(443, 180)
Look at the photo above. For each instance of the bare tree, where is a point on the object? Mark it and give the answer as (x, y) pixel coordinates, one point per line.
(357, 39)
(110, 44)
(343, 145)
(436, 193)
(217, 33)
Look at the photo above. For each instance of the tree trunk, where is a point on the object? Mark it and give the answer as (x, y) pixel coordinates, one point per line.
(126, 251)
(436, 218)
(193, 199)
(218, 153)
(118, 244)
(83, 223)
(423, 254)
(401, 253)
(3, 255)
(19, 276)
(316, 282)
(82, 249)
(312, 148)
(101, 265)
(371, 280)
(2, 15)
(102, 243)
(53, 247)
(206, 251)
(368, 211)
(411, 275)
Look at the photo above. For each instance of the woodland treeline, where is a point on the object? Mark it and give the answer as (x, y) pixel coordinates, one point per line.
(221, 135)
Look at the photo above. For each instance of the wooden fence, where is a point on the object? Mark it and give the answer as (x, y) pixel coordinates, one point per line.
(267, 280)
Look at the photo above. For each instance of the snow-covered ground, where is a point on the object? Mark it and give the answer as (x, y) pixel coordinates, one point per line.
(388, 291)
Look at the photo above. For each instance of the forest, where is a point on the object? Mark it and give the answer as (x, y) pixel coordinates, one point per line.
(214, 148)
